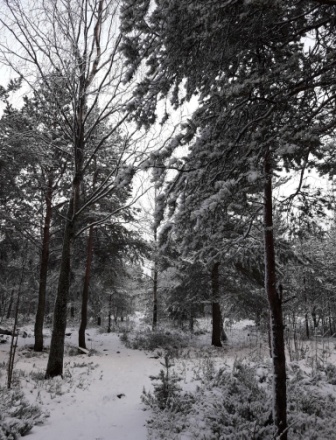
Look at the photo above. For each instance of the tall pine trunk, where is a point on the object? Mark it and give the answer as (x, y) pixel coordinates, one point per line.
(216, 313)
(109, 326)
(38, 329)
(85, 295)
(56, 355)
(155, 283)
(155, 297)
(224, 337)
(10, 305)
(275, 305)
(87, 276)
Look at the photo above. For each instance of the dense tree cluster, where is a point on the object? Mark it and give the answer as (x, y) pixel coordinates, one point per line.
(265, 104)
(261, 79)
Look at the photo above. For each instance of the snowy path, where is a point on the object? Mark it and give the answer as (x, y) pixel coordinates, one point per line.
(89, 408)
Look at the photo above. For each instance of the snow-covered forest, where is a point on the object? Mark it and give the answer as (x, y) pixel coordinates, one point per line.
(167, 219)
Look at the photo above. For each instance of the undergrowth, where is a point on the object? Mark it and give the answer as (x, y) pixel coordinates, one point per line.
(166, 386)
(159, 339)
(17, 416)
(235, 404)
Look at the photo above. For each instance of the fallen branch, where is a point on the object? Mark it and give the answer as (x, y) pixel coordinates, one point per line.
(7, 332)
(84, 350)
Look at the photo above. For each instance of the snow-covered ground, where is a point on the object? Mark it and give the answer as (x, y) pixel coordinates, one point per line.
(99, 397)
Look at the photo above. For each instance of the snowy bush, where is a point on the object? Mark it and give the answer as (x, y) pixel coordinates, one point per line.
(230, 406)
(17, 416)
(312, 404)
(151, 340)
(236, 405)
(330, 371)
(166, 388)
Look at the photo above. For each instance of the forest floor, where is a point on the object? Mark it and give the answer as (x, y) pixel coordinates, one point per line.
(99, 397)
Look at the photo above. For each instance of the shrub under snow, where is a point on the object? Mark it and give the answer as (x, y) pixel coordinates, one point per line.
(160, 338)
(236, 405)
(17, 416)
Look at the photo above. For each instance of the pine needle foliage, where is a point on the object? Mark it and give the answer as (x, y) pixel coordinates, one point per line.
(166, 387)
(17, 415)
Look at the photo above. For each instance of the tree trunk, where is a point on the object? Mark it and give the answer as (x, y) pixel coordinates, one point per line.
(275, 304)
(216, 313)
(85, 295)
(15, 335)
(55, 361)
(14, 339)
(269, 335)
(10, 305)
(39, 319)
(191, 320)
(56, 355)
(87, 277)
(315, 320)
(307, 326)
(224, 337)
(329, 318)
(155, 283)
(155, 298)
(110, 314)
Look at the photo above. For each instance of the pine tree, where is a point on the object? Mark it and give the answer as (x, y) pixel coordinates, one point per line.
(261, 105)
(80, 41)
(165, 386)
